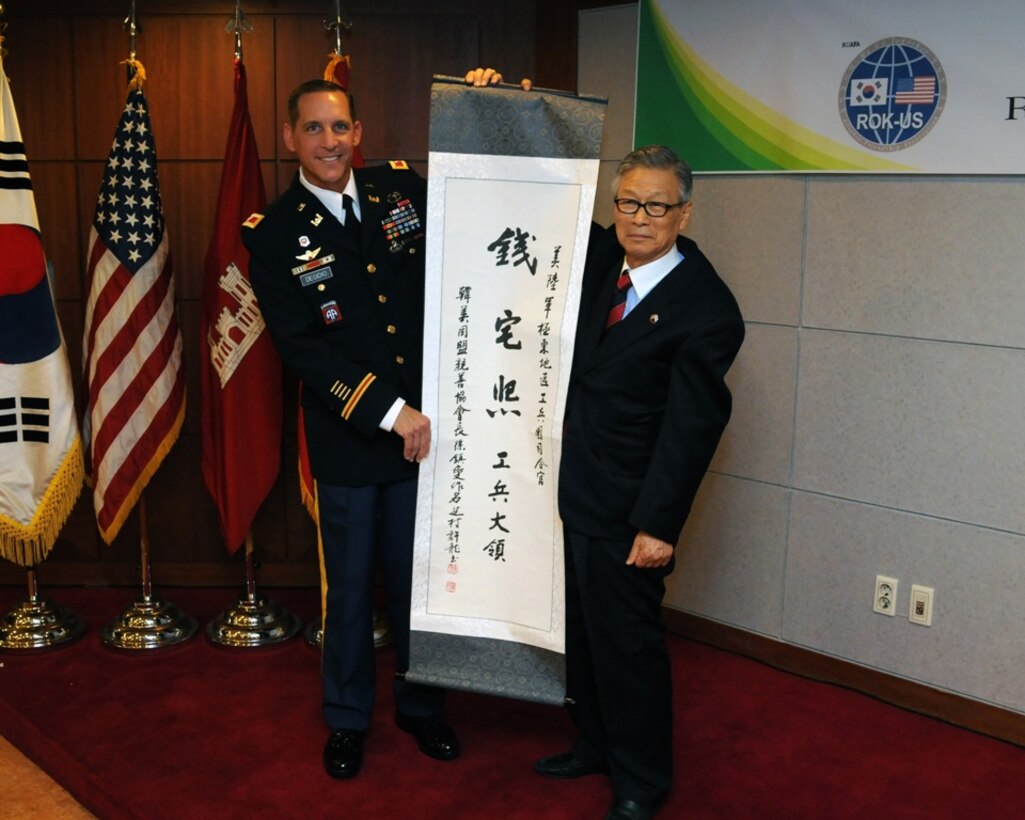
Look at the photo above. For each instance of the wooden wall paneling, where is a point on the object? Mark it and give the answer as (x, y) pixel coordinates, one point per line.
(258, 47)
(37, 67)
(189, 61)
(392, 78)
(507, 36)
(54, 185)
(100, 83)
(188, 191)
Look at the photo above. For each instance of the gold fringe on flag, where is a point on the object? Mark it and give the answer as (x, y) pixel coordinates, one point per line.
(110, 533)
(138, 74)
(27, 545)
(306, 495)
(336, 58)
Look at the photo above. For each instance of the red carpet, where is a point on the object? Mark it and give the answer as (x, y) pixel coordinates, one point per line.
(202, 732)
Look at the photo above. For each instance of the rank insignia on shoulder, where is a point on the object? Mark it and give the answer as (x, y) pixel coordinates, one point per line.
(253, 220)
(399, 165)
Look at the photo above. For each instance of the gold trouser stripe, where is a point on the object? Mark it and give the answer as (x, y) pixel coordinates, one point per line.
(357, 395)
(323, 571)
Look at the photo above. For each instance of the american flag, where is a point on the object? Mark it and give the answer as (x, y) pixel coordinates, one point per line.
(132, 346)
(914, 90)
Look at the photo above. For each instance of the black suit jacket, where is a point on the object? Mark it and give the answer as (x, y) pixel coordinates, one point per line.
(347, 316)
(647, 401)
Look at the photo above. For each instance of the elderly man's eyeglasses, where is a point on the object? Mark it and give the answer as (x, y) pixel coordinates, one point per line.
(656, 209)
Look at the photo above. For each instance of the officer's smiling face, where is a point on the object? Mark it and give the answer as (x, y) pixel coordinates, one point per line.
(324, 137)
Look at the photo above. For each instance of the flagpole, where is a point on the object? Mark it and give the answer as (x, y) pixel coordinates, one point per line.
(252, 621)
(37, 624)
(150, 623)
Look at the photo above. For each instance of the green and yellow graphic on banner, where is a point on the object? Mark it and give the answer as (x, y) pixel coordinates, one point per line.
(683, 102)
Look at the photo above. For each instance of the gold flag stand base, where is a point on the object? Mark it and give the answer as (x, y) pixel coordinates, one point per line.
(314, 634)
(38, 625)
(149, 624)
(252, 622)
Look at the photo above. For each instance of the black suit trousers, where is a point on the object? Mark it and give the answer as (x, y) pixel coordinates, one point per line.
(358, 526)
(618, 672)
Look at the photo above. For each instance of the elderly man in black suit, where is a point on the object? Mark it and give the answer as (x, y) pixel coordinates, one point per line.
(647, 404)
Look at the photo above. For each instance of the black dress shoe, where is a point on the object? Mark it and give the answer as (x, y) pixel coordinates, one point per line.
(343, 754)
(434, 737)
(567, 765)
(631, 810)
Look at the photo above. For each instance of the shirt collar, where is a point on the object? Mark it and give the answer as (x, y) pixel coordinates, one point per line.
(332, 200)
(645, 277)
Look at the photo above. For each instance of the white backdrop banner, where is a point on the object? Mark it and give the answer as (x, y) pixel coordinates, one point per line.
(919, 86)
(511, 189)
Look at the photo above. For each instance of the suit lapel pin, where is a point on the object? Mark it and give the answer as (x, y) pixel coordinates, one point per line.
(653, 318)
(394, 196)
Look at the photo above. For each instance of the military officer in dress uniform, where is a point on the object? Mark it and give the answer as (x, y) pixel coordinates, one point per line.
(337, 264)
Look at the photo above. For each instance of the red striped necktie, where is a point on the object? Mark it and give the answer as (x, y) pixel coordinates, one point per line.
(618, 300)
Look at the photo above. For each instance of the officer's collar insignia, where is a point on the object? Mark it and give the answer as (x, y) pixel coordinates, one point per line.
(302, 205)
(373, 198)
(316, 220)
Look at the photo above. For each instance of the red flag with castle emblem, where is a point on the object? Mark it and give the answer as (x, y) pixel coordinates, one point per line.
(240, 373)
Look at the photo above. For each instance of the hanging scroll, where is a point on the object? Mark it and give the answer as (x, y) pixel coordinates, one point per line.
(511, 190)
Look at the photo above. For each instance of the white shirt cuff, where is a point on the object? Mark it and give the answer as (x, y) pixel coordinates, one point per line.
(388, 422)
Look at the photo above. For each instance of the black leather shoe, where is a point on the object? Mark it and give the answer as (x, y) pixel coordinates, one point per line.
(566, 766)
(631, 810)
(434, 737)
(343, 754)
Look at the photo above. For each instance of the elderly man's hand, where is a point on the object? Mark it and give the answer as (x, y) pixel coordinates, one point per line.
(649, 552)
(481, 77)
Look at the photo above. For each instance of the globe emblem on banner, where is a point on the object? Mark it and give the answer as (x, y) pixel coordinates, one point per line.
(892, 94)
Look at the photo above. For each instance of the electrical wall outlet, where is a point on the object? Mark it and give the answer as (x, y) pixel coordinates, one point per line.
(885, 602)
(920, 611)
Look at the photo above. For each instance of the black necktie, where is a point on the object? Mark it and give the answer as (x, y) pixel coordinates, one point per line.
(351, 222)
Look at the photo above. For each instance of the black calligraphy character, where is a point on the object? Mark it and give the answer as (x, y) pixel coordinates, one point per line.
(517, 243)
(501, 490)
(504, 391)
(496, 522)
(504, 326)
(501, 462)
(496, 549)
